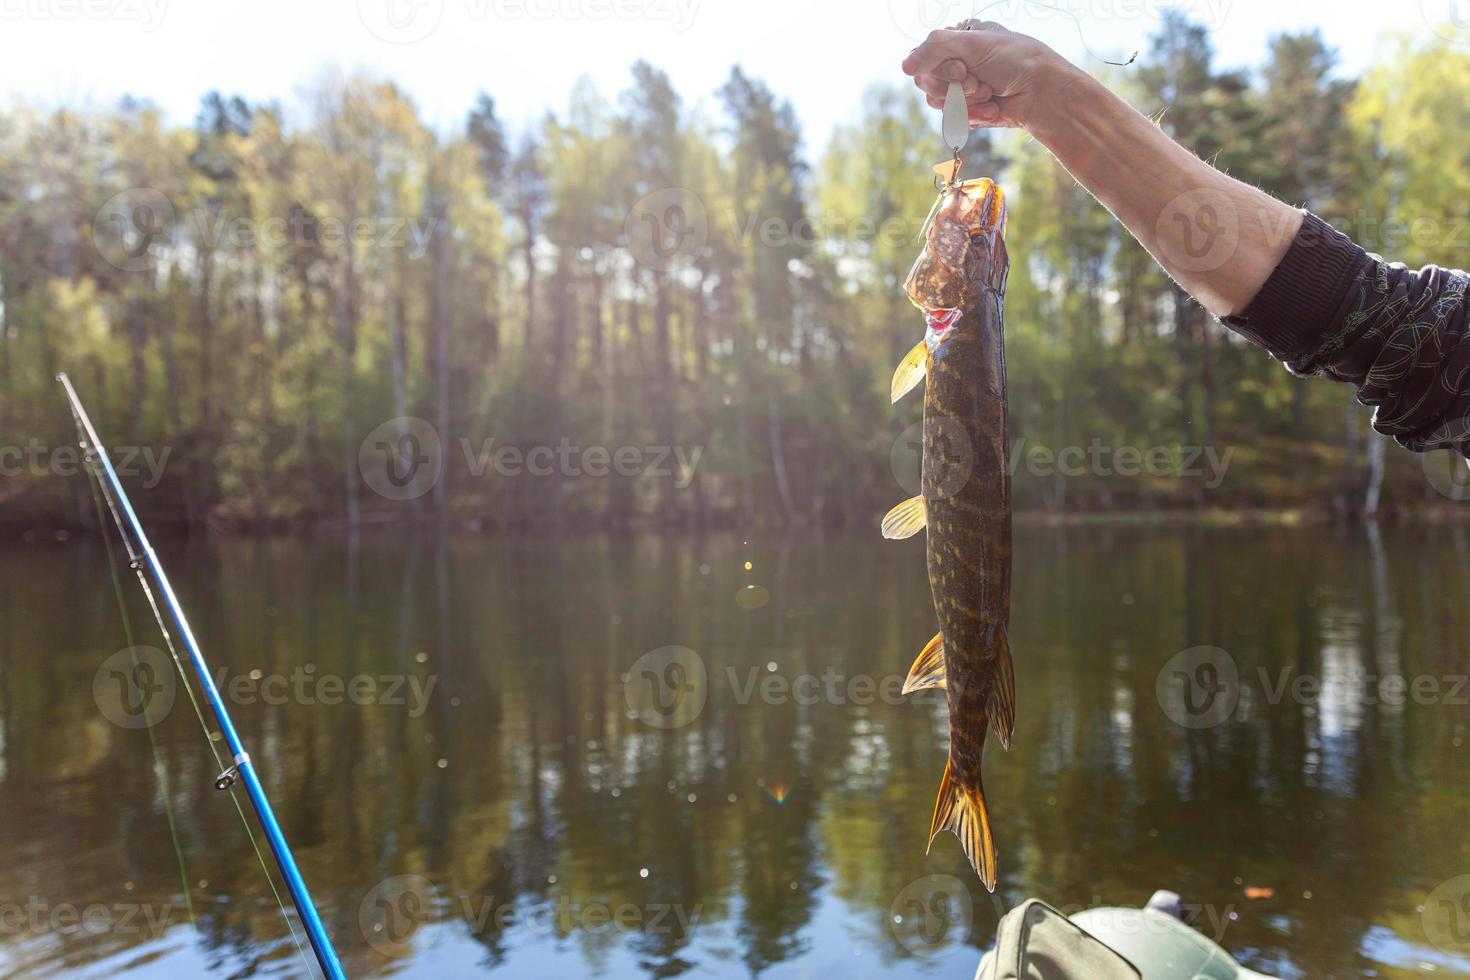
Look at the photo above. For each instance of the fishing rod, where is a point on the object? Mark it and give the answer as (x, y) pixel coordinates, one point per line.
(243, 769)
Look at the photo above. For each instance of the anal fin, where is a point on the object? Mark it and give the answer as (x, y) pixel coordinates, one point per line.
(906, 520)
(928, 668)
(961, 810)
(1001, 705)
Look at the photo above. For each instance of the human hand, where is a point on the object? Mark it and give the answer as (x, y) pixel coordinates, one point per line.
(1007, 77)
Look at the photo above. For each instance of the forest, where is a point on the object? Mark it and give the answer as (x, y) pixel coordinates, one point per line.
(641, 312)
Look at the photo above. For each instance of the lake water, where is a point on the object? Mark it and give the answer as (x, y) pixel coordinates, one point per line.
(495, 765)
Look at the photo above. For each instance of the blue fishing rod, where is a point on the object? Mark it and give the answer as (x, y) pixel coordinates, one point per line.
(243, 768)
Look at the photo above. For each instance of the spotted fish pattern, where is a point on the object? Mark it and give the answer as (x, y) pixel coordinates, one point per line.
(965, 504)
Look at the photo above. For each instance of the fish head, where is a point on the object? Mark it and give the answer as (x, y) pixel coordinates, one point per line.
(963, 254)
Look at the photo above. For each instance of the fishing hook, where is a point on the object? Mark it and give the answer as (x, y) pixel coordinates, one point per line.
(944, 184)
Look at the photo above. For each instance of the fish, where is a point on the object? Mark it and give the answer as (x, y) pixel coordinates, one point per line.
(958, 281)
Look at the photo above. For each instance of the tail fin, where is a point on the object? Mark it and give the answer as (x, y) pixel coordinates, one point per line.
(961, 810)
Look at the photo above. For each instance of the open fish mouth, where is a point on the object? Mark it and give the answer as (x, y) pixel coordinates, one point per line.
(939, 320)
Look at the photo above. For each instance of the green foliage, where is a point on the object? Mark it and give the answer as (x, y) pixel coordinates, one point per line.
(319, 281)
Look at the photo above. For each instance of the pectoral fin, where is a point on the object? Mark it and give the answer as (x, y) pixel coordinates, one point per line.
(910, 371)
(928, 668)
(906, 520)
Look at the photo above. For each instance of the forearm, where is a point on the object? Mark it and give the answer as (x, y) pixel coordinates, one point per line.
(1218, 238)
(1283, 279)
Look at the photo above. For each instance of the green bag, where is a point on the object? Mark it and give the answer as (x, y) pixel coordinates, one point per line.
(1036, 942)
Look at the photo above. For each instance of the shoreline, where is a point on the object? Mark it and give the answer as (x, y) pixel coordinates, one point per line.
(1295, 517)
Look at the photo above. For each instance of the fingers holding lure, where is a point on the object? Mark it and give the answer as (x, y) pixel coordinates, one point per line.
(958, 281)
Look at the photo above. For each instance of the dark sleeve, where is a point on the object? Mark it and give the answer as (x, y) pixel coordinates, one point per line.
(1334, 310)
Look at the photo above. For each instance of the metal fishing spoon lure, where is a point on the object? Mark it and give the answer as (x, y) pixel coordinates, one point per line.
(955, 126)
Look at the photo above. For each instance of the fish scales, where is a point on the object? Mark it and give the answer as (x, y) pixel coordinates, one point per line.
(965, 504)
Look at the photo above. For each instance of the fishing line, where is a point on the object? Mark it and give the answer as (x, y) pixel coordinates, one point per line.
(158, 768)
(1081, 35)
(135, 561)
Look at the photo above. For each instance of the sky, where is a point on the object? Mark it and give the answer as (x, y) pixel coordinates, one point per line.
(528, 54)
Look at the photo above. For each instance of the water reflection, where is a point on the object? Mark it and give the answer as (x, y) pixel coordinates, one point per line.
(469, 785)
